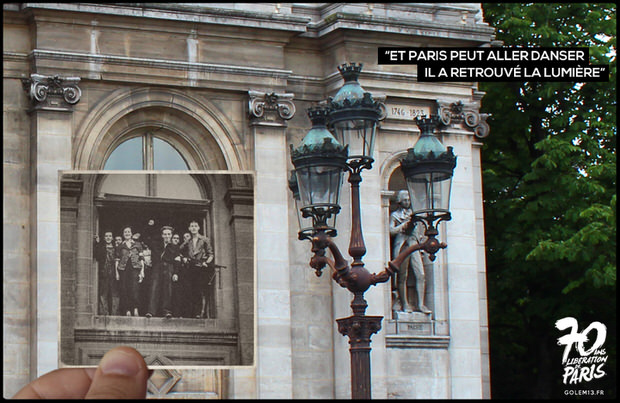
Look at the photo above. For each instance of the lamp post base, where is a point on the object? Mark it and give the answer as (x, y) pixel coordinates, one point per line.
(360, 328)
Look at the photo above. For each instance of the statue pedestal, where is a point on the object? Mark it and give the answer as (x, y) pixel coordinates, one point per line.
(410, 323)
(412, 316)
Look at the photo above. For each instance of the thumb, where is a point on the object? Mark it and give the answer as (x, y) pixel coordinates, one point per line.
(122, 374)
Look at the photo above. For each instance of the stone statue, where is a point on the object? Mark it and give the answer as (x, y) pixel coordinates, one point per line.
(403, 234)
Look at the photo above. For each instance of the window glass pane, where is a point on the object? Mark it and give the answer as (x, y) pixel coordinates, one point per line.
(166, 157)
(123, 184)
(177, 186)
(128, 155)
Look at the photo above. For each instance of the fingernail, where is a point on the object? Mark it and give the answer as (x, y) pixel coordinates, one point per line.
(118, 362)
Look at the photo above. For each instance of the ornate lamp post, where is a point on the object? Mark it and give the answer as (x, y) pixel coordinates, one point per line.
(320, 161)
(428, 169)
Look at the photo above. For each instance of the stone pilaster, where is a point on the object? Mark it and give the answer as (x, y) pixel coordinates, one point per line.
(52, 99)
(240, 201)
(70, 191)
(268, 114)
(469, 350)
(16, 274)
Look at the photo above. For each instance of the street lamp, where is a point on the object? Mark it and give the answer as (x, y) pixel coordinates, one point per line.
(352, 115)
(319, 163)
(428, 168)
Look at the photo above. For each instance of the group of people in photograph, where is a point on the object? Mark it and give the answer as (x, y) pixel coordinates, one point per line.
(155, 273)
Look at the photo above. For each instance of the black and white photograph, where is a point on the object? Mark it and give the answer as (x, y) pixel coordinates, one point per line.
(161, 262)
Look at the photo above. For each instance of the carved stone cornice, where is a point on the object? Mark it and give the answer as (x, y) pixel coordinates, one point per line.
(270, 108)
(71, 186)
(177, 337)
(52, 92)
(468, 114)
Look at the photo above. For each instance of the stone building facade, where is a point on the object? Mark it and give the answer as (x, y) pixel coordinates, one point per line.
(227, 85)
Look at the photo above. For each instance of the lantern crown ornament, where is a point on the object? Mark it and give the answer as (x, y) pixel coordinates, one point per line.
(351, 92)
(318, 142)
(428, 145)
(354, 114)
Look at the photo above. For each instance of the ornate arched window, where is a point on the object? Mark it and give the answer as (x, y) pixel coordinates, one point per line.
(147, 151)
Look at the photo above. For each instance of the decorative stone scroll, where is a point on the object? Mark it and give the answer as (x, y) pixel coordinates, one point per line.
(52, 91)
(465, 113)
(269, 107)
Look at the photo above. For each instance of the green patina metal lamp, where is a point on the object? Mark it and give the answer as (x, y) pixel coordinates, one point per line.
(320, 162)
(428, 168)
(353, 117)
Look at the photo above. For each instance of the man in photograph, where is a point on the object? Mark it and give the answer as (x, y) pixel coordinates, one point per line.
(105, 254)
(199, 258)
(178, 281)
(163, 273)
(185, 298)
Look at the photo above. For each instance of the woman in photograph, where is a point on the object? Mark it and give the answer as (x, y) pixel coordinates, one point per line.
(131, 271)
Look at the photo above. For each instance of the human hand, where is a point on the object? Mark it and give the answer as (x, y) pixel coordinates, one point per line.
(122, 374)
(175, 277)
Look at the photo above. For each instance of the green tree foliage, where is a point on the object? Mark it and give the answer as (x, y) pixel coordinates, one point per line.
(549, 174)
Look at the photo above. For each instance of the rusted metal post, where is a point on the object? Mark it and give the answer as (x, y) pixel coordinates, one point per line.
(359, 328)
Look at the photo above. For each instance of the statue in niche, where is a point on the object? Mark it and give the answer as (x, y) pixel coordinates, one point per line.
(403, 233)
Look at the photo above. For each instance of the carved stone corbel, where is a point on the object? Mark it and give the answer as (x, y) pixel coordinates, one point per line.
(52, 91)
(270, 107)
(459, 112)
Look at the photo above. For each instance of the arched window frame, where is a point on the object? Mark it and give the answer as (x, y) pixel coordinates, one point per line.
(148, 150)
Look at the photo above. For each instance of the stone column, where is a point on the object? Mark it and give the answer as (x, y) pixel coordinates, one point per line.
(240, 200)
(52, 99)
(268, 116)
(70, 191)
